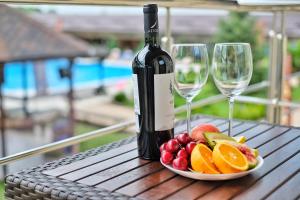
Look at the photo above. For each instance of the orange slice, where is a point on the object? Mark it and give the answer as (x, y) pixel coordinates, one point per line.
(201, 160)
(229, 159)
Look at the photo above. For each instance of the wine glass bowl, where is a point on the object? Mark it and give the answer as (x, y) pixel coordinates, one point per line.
(232, 70)
(191, 71)
(191, 68)
(232, 67)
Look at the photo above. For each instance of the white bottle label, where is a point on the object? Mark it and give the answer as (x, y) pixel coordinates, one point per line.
(136, 102)
(164, 101)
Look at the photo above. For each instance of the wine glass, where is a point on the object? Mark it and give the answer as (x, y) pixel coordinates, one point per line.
(232, 70)
(190, 71)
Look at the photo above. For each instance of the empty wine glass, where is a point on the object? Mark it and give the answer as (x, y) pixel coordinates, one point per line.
(232, 70)
(191, 72)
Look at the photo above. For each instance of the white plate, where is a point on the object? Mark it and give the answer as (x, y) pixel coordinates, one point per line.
(214, 177)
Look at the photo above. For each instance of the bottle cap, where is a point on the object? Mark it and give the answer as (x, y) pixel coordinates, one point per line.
(150, 8)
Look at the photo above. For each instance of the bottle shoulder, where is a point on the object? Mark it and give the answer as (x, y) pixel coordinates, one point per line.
(149, 55)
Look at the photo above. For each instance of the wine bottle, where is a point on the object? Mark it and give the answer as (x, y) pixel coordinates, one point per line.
(153, 90)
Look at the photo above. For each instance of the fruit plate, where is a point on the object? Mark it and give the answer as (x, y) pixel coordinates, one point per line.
(214, 177)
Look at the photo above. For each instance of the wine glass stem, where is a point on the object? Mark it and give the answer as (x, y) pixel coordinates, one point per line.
(188, 115)
(231, 103)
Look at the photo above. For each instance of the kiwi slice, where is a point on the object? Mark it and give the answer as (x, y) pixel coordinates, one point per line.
(211, 138)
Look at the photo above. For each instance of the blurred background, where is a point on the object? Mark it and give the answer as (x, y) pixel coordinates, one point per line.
(69, 68)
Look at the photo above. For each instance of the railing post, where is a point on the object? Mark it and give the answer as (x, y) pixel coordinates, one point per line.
(71, 99)
(25, 90)
(281, 65)
(2, 120)
(272, 69)
(168, 30)
(101, 89)
(277, 55)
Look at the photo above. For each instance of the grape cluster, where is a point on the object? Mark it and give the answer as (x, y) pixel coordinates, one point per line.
(177, 151)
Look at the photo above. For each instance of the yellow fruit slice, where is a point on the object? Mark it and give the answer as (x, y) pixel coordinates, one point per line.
(229, 159)
(240, 139)
(255, 152)
(201, 160)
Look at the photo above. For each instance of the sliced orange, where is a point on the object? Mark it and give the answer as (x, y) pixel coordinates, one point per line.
(201, 160)
(229, 159)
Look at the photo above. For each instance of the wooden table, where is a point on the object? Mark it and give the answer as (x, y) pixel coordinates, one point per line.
(121, 174)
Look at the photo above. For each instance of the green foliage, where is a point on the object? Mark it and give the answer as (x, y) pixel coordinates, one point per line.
(111, 43)
(121, 98)
(240, 111)
(240, 27)
(294, 50)
(2, 190)
(186, 78)
(296, 94)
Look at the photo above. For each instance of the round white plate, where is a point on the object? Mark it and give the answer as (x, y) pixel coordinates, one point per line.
(214, 177)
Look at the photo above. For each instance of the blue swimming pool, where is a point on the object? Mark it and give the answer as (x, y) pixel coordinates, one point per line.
(85, 74)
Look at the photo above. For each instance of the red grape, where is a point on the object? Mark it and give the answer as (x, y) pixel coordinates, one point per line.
(166, 157)
(172, 145)
(190, 146)
(180, 163)
(182, 153)
(184, 138)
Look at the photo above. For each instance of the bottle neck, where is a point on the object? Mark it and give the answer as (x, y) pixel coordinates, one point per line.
(152, 40)
(151, 29)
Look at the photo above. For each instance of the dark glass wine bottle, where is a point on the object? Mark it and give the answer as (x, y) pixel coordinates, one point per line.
(153, 90)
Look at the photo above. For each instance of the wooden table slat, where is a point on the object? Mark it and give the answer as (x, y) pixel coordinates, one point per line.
(194, 190)
(144, 184)
(248, 132)
(215, 121)
(131, 176)
(268, 148)
(231, 188)
(279, 175)
(223, 127)
(241, 128)
(91, 160)
(182, 127)
(113, 171)
(87, 171)
(266, 136)
(256, 130)
(290, 189)
(278, 142)
(166, 188)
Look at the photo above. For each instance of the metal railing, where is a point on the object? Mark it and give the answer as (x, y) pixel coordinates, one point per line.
(273, 102)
